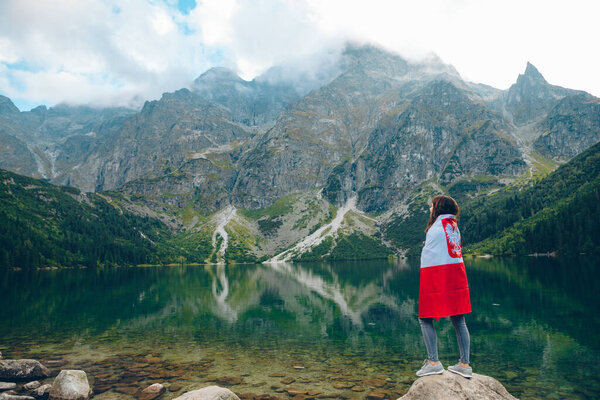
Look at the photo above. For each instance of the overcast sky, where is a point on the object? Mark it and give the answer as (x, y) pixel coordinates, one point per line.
(109, 52)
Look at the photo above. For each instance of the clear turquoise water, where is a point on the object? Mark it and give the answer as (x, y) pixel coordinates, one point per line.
(534, 325)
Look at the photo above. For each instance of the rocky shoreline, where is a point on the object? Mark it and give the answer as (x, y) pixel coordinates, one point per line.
(26, 379)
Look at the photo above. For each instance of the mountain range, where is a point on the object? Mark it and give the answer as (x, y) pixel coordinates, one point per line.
(260, 166)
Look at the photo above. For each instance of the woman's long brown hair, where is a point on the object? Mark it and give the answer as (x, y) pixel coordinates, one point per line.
(442, 204)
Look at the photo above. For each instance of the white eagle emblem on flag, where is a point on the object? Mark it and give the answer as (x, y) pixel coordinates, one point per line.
(452, 237)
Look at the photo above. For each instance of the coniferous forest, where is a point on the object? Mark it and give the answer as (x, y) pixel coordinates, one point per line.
(46, 225)
(560, 213)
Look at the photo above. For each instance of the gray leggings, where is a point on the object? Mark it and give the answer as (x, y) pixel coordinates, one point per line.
(462, 335)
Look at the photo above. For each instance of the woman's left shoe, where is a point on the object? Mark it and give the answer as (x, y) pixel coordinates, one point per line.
(428, 369)
(462, 371)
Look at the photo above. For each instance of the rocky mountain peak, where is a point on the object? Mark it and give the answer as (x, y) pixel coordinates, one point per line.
(532, 97)
(531, 80)
(7, 107)
(179, 102)
(373, 59)
(380, 63)
(178, 94)
(39, 109)
(218, 74)
(532, 72)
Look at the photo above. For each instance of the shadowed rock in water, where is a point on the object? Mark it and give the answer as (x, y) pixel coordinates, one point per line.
(22, 369)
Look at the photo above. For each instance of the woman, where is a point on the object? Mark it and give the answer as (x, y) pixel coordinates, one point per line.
(444, 290)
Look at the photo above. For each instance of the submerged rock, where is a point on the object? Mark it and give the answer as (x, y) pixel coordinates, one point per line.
(151, 392)
(229, 380)
(378, 394)
(374, 382)
(209, 393)
(70, 384)
(449, 386)
(174, 388)
(22, 369)
(7, 386)
(54, 363)
(5, 396)
(128, 390)
(42, 392)
(32, 385)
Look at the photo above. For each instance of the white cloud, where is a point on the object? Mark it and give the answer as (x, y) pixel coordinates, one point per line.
(107, 51)
(163, 23)
(214, 19)
(8, 52)
(95, 51)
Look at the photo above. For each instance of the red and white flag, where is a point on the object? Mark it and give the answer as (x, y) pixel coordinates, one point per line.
(443, 289)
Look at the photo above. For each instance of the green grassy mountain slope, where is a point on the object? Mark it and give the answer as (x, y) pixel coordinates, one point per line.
(559, 213)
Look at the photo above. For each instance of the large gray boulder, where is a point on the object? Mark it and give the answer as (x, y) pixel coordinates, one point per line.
(209, 393)
(70, 384)
(13, 370)
(449, 386)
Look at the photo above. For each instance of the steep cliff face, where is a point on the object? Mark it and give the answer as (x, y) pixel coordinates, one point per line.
(162, 137)
(69, 156)
(328, 126)
(442, 134)
(15, 154)
(251, 103)
(571, 126)
(220, 113)
(57, 139)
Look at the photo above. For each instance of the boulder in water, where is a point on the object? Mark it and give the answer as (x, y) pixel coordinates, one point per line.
(13, 370)
(209, 393)
(449, 386)
(151, 392)
(70, 384)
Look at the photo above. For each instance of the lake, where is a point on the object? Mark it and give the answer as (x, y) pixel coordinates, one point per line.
(329, 329)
